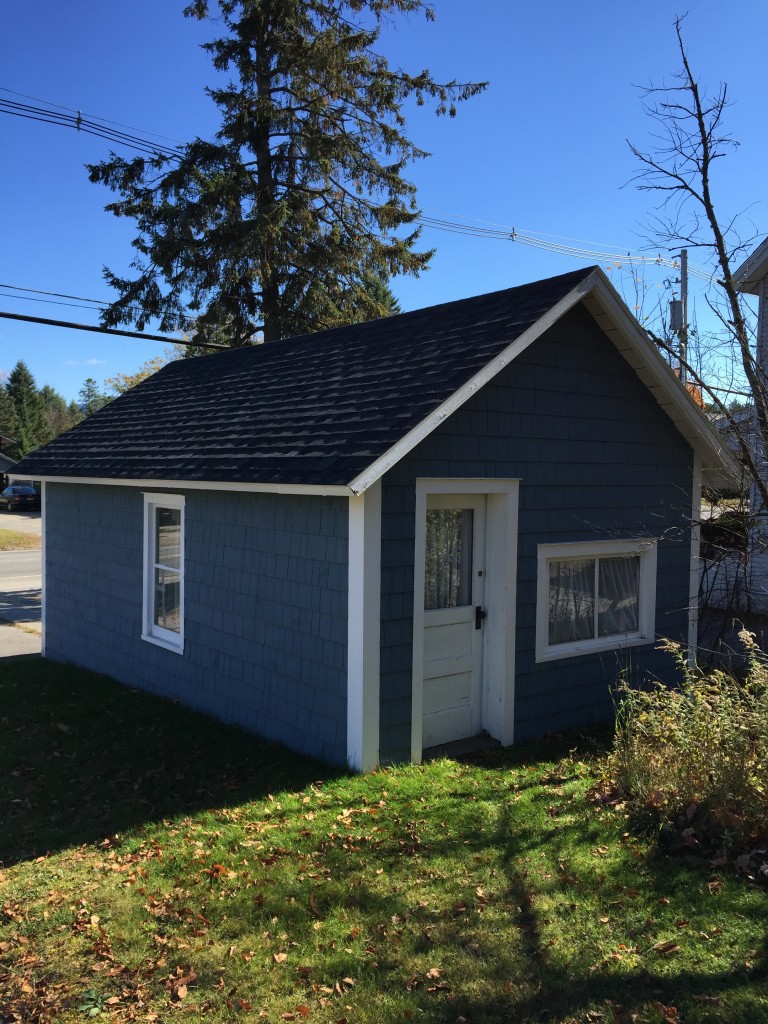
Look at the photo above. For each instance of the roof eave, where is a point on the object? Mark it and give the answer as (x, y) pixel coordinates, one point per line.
(751, 273)
(719, 469)
(324, 490)
(422, 430)
(605, 304)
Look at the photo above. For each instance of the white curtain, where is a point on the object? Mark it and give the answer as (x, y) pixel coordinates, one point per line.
(619, 601)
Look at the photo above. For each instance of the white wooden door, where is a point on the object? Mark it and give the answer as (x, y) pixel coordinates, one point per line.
(454, 584)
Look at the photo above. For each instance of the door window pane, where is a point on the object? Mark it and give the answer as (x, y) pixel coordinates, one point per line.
(619, 600)
(571, 600)
(448, 561)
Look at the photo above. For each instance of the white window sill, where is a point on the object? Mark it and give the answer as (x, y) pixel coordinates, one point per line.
(581, 648)
(168, 645)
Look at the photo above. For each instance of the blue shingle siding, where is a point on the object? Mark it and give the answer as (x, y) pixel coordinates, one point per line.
(597, 459)
(265, 606)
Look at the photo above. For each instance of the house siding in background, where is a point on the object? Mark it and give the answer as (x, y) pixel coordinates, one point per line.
(265, 621)
(597, 459)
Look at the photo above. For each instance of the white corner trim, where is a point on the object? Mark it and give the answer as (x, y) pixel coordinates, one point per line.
(337, 490)
(646, 547)
(423, 489)
(43, 545)
(695, 579)
(364, 629)
(406, 444)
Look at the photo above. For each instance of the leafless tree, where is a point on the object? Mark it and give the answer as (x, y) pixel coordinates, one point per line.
(689, 137)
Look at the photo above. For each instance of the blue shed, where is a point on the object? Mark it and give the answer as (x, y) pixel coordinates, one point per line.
(378, 539)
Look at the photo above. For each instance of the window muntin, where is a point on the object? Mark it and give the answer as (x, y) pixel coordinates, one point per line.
(594, 596)
(164, 570)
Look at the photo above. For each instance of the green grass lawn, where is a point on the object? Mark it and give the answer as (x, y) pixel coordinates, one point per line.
(12, 540)
(158, 866)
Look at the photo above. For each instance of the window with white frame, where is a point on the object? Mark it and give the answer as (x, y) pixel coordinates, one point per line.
(164, 570)
(594, 596)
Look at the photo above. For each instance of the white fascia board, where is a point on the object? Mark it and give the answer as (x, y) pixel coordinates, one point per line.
(422, 430)
(337, 490)
(753, 270)
(718, 467)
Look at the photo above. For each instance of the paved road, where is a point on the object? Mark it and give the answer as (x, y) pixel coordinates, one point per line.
(20, 583)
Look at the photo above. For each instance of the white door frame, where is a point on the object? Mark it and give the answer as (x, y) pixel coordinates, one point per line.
(500, 594)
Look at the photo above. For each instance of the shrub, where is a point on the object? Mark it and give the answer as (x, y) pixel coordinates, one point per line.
(696, 757)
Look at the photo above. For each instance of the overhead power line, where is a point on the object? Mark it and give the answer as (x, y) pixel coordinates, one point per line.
(55, 299)
(88, 125)
(53, 113)
(105, 120)
(58, 295)
(452, 223)
(110, 330)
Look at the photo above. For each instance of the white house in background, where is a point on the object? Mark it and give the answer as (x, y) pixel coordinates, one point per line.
(731, 583)
(752, 279)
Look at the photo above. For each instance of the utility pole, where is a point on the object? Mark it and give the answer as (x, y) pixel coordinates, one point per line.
(684, 325)
(679, 315)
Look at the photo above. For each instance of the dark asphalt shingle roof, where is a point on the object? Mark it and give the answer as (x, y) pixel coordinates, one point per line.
(317, 409)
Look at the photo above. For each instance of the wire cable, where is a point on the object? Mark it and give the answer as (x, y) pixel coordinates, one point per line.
(106, 120)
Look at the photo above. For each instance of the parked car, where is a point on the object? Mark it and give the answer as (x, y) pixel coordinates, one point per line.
(17, 498)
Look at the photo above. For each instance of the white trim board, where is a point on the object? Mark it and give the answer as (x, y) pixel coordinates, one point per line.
(610, 313)
(605, 304)
(333, 490)
(422, 430)
(608, 309)
(150, 631)
(364, 630)
(645, 547)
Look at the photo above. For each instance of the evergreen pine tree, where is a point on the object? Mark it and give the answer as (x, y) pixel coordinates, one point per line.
(10, 427)
(279, 224)
(59, 415)
(91, 399)
(29, 408)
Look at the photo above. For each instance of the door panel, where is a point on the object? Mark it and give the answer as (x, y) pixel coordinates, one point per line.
(453, 647)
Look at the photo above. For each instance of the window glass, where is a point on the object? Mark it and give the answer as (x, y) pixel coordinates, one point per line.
(167, 599)
(595, 596)
(575, 613)
(448, 560)
(571, 600)
(168, 537)
(619, 600)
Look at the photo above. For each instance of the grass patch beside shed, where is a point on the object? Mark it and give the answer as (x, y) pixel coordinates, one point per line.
(157, 863)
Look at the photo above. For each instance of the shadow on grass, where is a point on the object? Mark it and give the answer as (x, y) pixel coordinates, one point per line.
(567, 988)
(83, 758)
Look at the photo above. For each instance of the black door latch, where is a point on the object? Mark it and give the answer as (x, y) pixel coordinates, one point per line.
(480, 614)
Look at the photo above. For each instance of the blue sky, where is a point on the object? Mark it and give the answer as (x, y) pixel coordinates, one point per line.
(543, 150)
